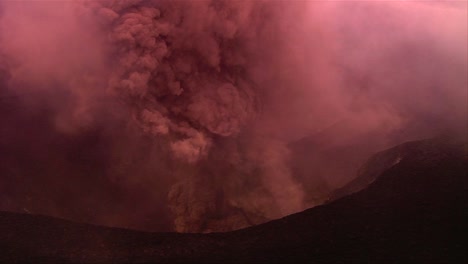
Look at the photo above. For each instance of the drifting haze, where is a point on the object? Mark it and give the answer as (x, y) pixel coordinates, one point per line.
(188, 114)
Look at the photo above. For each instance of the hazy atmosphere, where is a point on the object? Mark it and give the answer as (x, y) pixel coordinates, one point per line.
(196, 116)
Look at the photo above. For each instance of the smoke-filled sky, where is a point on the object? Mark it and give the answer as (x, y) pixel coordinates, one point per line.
(200, 116)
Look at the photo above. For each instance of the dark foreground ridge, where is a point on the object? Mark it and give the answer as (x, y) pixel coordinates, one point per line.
(414, 211)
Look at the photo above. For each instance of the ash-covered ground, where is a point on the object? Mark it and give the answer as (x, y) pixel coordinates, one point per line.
(413, 211)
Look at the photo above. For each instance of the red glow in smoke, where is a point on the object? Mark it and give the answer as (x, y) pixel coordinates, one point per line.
(141, 113)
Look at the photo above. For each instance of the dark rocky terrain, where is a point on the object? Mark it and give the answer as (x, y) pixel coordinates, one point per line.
(413, 211)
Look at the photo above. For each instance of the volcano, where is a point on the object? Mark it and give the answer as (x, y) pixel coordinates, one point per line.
(408, 204)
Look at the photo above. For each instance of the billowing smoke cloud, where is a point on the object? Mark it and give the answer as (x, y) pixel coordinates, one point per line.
(184, 69)
(215, 115)
(179, 65)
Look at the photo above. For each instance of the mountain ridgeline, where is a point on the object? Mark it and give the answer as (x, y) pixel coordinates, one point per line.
(407, 205)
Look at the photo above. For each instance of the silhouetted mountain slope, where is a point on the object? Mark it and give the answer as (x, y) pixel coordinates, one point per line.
(414, 212)
(423, 151)
(325, 160)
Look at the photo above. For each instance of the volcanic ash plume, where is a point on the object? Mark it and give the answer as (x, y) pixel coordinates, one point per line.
(218, 114)
(182, 67)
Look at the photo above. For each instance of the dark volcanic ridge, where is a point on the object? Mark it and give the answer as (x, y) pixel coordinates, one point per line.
(413, 211)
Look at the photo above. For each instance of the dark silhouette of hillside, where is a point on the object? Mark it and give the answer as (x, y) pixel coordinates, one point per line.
(413, 211)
